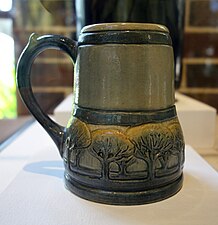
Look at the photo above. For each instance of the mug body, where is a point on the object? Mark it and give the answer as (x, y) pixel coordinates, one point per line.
(124, 144)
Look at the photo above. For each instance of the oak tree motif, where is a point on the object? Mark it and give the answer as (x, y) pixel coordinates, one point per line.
(154, 144)
(79, 138)
(111, 146)
(179, 145)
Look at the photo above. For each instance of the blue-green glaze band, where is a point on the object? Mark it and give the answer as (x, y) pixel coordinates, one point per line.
(125, 37)
(92, 116)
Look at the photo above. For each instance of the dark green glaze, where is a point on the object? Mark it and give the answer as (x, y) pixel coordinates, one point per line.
(123, 144)
(35, 46)
(127, 197)
(125, 37)
(123, 118)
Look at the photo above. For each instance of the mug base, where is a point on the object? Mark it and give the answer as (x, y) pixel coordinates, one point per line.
(123, 198)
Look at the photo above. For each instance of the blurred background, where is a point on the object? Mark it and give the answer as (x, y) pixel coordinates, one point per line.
(193, 25)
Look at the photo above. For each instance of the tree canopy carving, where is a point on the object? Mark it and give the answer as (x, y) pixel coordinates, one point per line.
(111, 146)
(79, 138)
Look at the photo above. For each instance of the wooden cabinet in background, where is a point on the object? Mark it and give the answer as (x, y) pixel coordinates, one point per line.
(52, 71)
(200, 55)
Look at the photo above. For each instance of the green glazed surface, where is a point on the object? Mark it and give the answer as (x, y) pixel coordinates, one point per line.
(124, 77)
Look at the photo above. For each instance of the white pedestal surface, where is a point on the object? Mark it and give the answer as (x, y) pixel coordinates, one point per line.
(197, 119)
(35, 194)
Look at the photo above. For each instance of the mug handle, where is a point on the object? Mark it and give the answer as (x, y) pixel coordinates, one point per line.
(35, 46)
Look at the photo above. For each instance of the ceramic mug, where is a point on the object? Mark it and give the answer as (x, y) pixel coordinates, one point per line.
(123, 144)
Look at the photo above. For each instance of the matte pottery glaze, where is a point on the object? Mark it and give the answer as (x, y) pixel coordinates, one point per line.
(123, 144)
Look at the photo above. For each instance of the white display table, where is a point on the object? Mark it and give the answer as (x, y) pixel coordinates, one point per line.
(198, 121)
(32, 191)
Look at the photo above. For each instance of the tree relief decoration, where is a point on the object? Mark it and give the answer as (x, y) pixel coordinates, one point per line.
(179, 145)
(148, 152)
(79, 138)
(154, 144)
(115, 152)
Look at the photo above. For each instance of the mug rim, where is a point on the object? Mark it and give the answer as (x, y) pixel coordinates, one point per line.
(124, 27)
